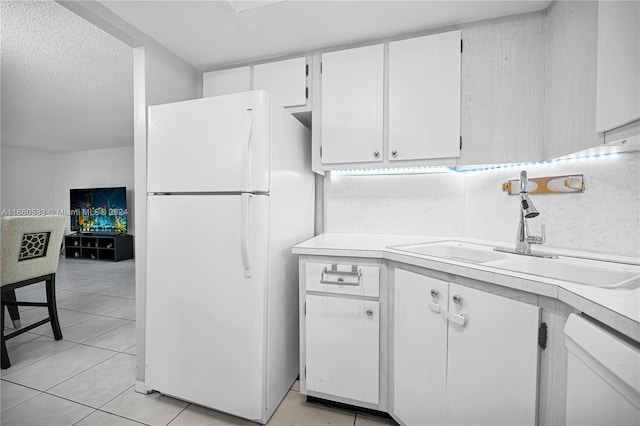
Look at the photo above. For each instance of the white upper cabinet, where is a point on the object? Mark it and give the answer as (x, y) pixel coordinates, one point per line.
(223, 82)
(285, 80)
(424, 97)
(618, 78)
(352, 105)
(414, 120)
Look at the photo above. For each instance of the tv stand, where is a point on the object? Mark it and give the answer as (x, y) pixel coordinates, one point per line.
(96, 246)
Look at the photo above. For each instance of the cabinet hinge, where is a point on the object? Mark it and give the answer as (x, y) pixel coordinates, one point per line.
(306, 92)
(461, 44)
(542, 335)
(320, 151)
(460, 143)
(305, 371)
(320, 67)
(306, 70)
(305, 308)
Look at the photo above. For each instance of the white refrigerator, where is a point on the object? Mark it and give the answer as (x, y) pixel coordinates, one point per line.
(230, 190)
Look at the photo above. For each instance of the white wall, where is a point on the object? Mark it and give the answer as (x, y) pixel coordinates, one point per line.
(42, 180)
(96, 168)
(28, 179)
(606, 217)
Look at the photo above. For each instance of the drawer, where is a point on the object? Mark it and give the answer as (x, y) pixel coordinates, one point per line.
(343, 278)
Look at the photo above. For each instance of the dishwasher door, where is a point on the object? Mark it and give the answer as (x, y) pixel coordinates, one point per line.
(603, 378)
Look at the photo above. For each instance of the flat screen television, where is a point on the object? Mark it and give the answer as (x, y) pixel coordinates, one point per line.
(99, 210)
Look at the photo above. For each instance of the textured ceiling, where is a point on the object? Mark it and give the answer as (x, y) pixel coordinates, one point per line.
(212, 34)
(66, 84)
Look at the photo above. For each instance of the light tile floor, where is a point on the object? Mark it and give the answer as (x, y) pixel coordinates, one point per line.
(88, 378)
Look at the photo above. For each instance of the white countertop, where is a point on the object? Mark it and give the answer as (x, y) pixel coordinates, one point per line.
(620, 309)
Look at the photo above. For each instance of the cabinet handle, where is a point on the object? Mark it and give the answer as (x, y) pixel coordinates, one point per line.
(394, 153)
(340, 280)
(457, 299)
(459, 318)
(369, 313)
(376, 154)
(434, 293)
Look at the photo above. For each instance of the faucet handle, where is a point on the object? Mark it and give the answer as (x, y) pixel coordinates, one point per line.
(534, 239)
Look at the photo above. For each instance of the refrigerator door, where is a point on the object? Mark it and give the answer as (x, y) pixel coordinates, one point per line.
(217, 144)
(206, 300)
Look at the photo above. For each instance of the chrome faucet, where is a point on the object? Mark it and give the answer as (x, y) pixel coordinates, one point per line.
(527, 211)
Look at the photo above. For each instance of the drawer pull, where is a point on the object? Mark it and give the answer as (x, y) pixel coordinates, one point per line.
(352, 277)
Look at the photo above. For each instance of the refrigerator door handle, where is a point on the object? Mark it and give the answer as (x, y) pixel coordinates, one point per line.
(245, 199)
(246, 148)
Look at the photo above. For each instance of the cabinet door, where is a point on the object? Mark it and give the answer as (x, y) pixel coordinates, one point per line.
(424, 97)
(342, 347)
(618, 81)
(419, 349)
(224, 82)
(286, 81)
(352, 105)
(492, 373)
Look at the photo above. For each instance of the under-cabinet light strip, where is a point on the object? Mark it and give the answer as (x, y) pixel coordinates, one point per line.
(393, 171)
(467, 169)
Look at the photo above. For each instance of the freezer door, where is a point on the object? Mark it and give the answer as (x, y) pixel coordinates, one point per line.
(217, 144)
(206, 311)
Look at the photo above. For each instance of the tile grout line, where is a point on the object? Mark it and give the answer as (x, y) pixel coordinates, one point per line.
(84, 417)
(115, 353)
(123, 417)
(80, 322)
(41, 359)
(80, 372)
(128, 322)
(28, 399)
(93, 337)
(119, 415)
(181, 411)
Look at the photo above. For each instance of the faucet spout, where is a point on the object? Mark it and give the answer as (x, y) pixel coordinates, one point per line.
(522, 244)
(527, 211)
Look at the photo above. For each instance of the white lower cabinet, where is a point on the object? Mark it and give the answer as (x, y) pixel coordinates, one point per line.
(461, 355)
(340, 332)
(342, 340)
(419, 350)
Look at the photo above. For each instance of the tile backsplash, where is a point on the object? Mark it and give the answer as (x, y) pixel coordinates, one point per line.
(606, 217)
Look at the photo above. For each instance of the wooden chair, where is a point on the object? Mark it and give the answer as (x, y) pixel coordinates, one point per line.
(30, 252)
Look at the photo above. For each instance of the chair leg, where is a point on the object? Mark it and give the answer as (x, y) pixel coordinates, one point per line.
(14, 313)
(4, 355)
(51, 305)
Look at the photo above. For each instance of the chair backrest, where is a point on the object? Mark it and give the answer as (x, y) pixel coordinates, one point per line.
(30, 247)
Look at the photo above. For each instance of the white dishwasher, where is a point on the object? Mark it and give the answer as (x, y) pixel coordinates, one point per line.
(603, 378)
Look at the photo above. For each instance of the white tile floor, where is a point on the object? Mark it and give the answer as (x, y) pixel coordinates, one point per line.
(88, 377)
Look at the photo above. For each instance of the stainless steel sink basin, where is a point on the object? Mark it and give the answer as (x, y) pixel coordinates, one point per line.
(588, 272)
(454, 250)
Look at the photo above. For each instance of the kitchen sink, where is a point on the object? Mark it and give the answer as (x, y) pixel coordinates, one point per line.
(588, 272)
(454, 250)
